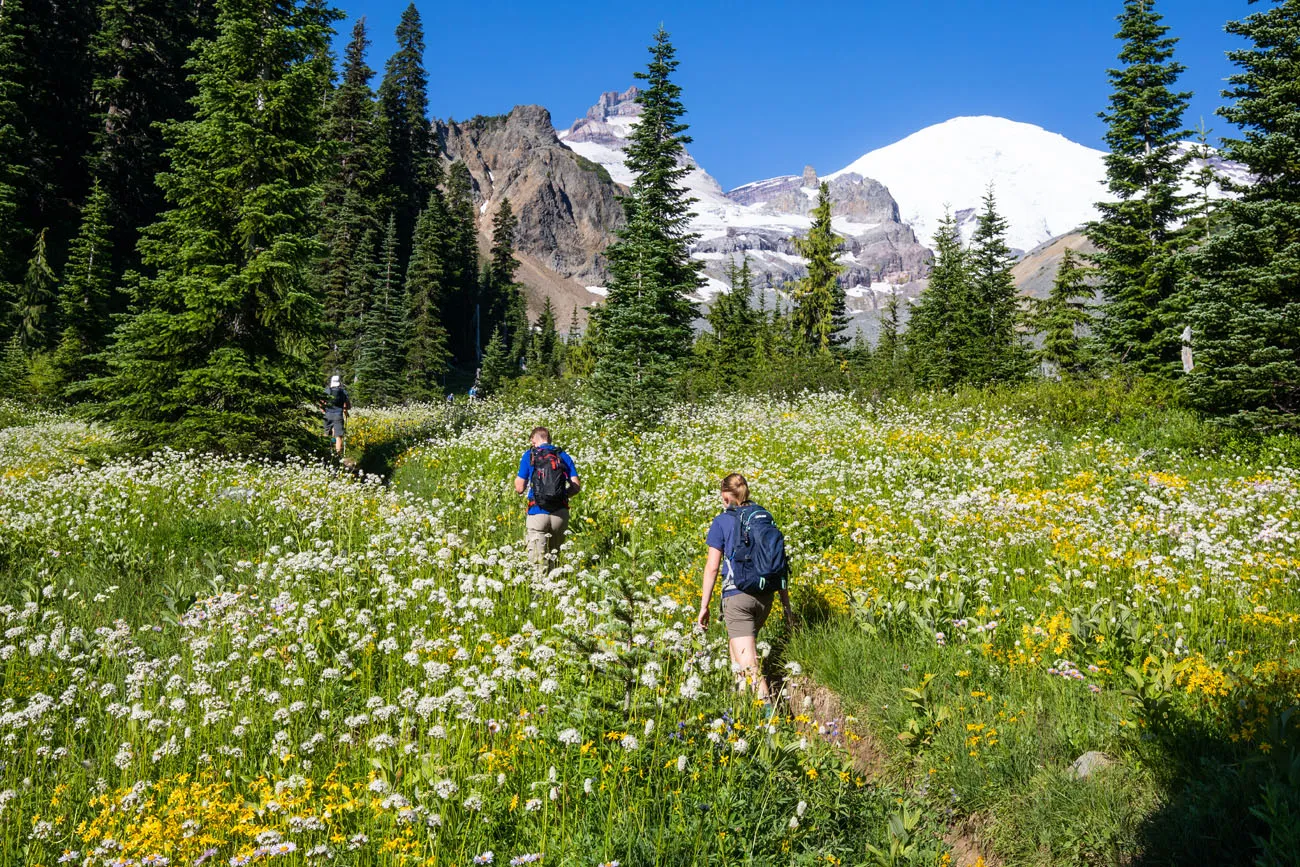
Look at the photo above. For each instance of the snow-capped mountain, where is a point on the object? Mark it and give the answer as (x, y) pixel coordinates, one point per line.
(1045, 184)
(887, 204)
(758, 221)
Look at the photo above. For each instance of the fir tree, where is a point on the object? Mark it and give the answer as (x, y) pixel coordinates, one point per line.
(575, 331)
(15, 368)
(497, 368)
(87, 292)
(353, 194)
(1200, 224)
(426, 355)
(580, 354)
(1138, 236)
(499, 277)
(733, 323)
(1062, 316)
(1245, 279)
(53, 92)
(345, 353)
(222, 352)
(940, 333)
(647, 317)
(544, 348)
(36, 299)
(413, 172)
(998, 355)
(819, 317)
(14, 234)
(460, 257)
(380, 360)
(138, 59)
(886, 360)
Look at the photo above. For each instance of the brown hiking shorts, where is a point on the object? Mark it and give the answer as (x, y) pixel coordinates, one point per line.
(744, 614)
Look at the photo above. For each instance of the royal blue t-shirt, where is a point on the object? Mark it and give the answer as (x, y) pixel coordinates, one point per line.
(724, 532)
(526, 473)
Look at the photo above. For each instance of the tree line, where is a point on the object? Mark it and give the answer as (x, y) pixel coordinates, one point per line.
(202, 210)
(208, 210)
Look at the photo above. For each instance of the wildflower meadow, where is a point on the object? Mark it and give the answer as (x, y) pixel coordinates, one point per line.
(219, 661)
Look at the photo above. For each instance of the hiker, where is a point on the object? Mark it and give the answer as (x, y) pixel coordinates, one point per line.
(550, 477)
(747, 594)
(335, 404)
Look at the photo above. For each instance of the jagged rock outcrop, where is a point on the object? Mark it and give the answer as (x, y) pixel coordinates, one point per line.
(566, 204)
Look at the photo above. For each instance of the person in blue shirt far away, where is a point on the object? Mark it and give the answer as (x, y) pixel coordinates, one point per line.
(550, 477)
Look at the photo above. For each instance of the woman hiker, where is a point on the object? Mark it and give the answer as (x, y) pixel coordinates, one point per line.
(743, 613)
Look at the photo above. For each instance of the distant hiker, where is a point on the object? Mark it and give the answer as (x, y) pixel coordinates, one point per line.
(745, 537)
(335, 404)
(550, 477)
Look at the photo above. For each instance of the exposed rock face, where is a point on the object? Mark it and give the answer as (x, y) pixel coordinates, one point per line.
(759, 220)
(608, 121)
(1036, 272)
(566, 205)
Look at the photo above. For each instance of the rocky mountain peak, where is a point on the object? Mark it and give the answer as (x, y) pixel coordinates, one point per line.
(567, 206)
(809, 176)
(609, 121)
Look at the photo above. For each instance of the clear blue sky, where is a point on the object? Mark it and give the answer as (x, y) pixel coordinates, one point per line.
(770, 86)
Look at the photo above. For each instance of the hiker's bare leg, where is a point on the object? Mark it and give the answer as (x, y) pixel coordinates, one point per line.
(744, 658)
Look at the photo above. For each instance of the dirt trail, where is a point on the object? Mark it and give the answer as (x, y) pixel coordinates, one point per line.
(808, 698)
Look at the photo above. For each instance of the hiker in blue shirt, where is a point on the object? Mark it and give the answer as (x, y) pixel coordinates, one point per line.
(550, 477)
(744, 613)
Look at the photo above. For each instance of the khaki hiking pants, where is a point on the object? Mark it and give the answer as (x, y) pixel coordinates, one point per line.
(546, 535)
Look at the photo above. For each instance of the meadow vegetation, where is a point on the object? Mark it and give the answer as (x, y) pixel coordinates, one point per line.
(220, 660)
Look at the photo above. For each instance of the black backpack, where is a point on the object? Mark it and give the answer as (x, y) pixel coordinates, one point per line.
(550, 478)
(336, 398)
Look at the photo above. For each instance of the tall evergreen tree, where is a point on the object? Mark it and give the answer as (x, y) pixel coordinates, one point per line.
(886, 361)
(999, 355)
(86, 296)
(575, 330)
(36, 298)
(344, 353)
(461, 303)
(646, 320)
(1062, 316)
(497, 368)
(413, 171)
(819, 316)
(941, 332)
(54, 91)
(138, 59)
(545, 348)
(15, 368)
(1245, 279)
(495, 297)
(733, 339)
(14, 234)
(223, 349)
(1201, 208)
(1139, 234)
(353, 194)
(381, 362)
(426, 352)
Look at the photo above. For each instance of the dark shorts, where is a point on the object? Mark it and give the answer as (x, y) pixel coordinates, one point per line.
(744, 614)
(334, 425)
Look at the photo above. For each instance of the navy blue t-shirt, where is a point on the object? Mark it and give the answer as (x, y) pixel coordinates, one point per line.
(724, 532)
(526, 473)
